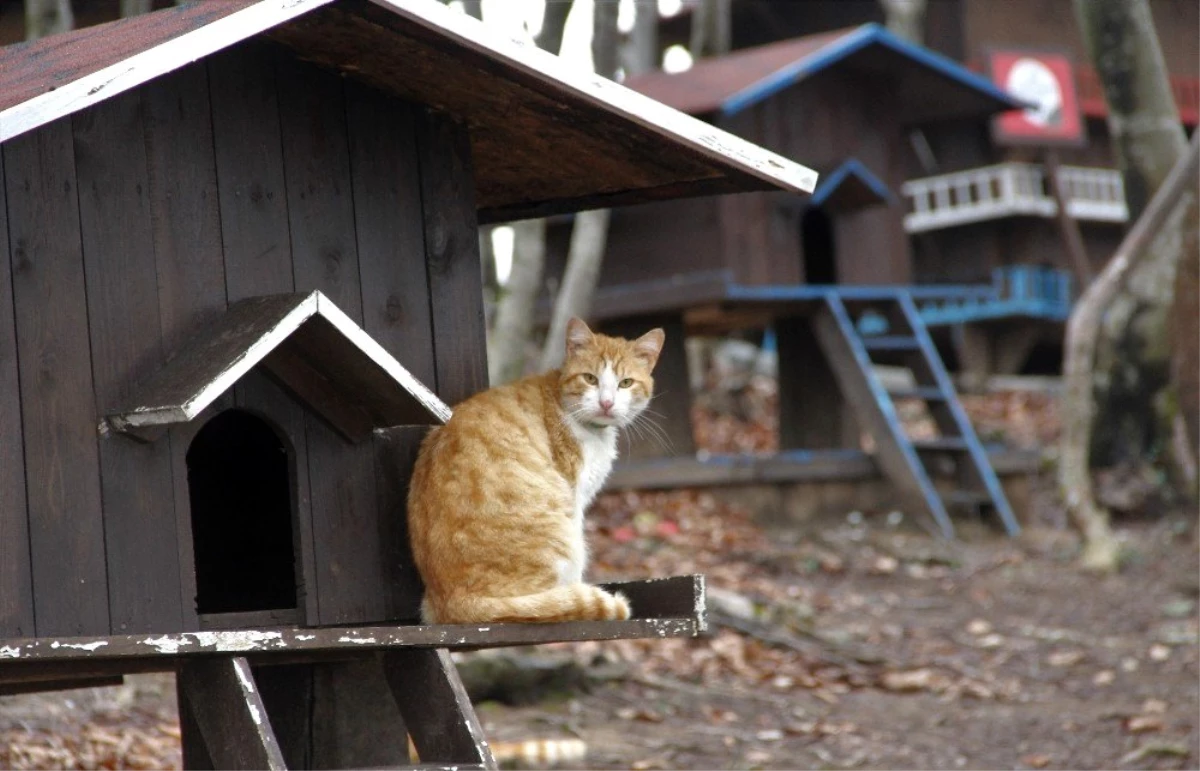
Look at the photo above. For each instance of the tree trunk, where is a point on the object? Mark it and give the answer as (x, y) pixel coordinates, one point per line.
(641, 50)
(712, 28)
(136, 7)
(589, 235)
(1133, 418)
(554, 22)
(906, 18)
(508, 344)
(510, 335)
(1176, 196)
(474, 8)
(1186, 342)
(47, 17)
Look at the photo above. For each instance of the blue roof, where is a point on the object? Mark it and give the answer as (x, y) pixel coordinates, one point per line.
(853, 42)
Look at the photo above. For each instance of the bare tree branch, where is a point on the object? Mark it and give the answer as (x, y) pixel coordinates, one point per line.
(554, 22)
(906, 18)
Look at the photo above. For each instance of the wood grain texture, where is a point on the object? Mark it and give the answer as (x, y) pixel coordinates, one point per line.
(250, 176)
(320, 202)
(436, 709)
(812, 410)
(184, 207)
(452, 256)
(228, 710)
(396, 454)
(126, 341)
(390, 227)
(356, 721)
(57, 402)
(16, 583)
(287, 694)
(182, 167)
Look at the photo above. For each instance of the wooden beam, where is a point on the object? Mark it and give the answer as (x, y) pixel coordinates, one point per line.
(224, 702)
(436, 709)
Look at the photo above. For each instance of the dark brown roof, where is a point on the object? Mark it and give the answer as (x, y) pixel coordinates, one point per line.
(545, 139)
(927, 85)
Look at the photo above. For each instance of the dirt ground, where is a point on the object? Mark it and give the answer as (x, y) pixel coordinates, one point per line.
(888, 649)
(993, 654)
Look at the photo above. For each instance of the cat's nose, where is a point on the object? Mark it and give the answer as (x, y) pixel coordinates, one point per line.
(606, 404)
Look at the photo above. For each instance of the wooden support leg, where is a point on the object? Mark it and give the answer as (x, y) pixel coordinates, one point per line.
(220, 708)
(973, 346)
(435, 706)
(813, 413)
(672, 403)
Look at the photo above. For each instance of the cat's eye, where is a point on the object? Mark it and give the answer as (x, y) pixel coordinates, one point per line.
(589, 378)
(626, 383)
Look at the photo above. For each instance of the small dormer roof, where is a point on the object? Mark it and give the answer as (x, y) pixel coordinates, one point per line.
(303, 340)
(545, 138)
(851, 185)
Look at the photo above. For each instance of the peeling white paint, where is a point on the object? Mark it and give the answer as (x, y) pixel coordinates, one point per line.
(89, 647)
(166, 644)
(8, 652)
(243, 675)
(248, 640)
(257, 718)
(358, 640)
(485, 629)
(306, 637)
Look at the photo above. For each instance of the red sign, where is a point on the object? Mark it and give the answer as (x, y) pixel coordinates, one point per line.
(1046, 81)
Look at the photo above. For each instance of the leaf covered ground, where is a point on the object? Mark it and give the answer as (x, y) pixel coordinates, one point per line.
(859, 642)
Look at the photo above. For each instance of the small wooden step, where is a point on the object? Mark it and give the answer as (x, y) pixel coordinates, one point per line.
(966, 498)
(941, 444)
(926, 393)
(891, 343)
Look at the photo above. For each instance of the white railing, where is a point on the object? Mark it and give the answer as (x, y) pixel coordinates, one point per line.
(1010, 189)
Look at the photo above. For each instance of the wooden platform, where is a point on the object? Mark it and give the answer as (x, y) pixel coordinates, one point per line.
(800, 488)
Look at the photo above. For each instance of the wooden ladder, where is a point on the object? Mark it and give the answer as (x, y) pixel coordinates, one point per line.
(232, 716)
(908, 462)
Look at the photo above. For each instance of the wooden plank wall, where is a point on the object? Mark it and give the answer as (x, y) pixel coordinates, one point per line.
(246, 174)
(16, 584)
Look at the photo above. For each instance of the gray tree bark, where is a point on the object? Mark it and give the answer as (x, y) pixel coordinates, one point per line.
(712, 28)
(47, 17)
(510, 334)
(136, 7)
(589, 236)
(512, 330)
(1133, 418)
(1175, 200)
(906, 18)
(640, 53)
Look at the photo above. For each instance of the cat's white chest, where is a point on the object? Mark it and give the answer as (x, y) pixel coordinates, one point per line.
(599, 450)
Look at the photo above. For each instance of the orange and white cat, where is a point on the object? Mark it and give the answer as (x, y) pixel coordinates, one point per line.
(495, 508)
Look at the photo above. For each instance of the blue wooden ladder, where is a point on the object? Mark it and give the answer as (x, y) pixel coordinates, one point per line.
(907, 462)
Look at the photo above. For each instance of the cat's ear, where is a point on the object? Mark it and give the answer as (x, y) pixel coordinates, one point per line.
(578, 335)
(648, 346)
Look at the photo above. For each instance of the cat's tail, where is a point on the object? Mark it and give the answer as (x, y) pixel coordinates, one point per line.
(574, 602)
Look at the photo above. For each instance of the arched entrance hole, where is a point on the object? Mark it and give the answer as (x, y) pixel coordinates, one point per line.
(239, 485)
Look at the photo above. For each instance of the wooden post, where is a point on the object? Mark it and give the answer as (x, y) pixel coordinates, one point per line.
(813, 413)
(1072, 242)
(222, 704)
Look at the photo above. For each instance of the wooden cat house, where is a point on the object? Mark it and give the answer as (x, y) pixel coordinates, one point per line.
(241, 280)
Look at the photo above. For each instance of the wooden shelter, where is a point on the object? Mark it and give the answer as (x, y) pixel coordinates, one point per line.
(242, 280)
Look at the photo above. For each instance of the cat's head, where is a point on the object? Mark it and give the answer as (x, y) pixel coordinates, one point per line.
(605, 380)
